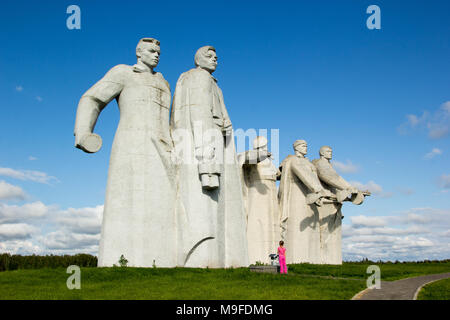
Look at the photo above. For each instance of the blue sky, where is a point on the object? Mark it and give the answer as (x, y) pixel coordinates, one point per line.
(313, 70)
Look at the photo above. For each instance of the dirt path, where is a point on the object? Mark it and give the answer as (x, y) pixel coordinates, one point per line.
(404, 289)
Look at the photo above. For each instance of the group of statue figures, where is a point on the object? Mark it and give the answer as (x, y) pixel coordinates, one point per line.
(306, 210)
(177, 192)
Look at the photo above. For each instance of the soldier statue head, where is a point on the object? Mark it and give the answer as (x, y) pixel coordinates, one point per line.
(300, 148)
(260, 143)
(326, 152)
(147, 52)
(206, 58)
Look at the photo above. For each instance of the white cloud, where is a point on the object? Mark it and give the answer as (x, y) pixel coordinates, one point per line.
(416, 234)
(374, 233)
(29, 211)
(436, 123)
(19, 88)
(60, 240)
(48, 229)
(413, 217)
(24, 247)
(364, 221)
(14, 231)
(38, 98)
(413, 120)
(372, 187)
(11, 192)
(444, 181)
(434, 152)
(347, 167)
(36, 176)
(31, 158)
(82, 220)
(446, 106)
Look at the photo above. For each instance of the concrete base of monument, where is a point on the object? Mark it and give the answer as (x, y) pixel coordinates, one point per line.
(265, 269)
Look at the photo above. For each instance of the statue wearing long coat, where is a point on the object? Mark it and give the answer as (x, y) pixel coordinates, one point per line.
(211, 222)
(138, 219)
(331, 215)
(299, 220)
(262, 208)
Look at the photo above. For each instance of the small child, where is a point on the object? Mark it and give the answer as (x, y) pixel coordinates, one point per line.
(282, 257)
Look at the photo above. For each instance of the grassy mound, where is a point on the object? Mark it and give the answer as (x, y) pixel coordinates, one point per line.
(390, 271)
(178, 283)
(439, 290)
(304, 281)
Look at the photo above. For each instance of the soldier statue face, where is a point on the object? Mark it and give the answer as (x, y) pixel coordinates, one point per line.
(264, 148)
(206, 59)
(148, 53)
(260, 143)
(301, 148)
(326, 152)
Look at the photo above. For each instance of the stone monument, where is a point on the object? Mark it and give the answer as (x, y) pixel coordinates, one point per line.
(300, 193)
(139, 218)
(333, 181)
(177, 195)
(330, 214)
(211, 220)
(261, 201)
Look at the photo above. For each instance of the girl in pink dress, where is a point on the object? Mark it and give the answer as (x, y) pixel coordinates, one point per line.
(282, 257)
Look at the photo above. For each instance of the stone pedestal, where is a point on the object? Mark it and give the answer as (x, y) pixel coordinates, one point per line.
(265, 269)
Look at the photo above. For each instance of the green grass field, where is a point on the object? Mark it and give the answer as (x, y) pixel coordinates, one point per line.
(140, 283)
(439, 290)
(389, 271)
(304, 281)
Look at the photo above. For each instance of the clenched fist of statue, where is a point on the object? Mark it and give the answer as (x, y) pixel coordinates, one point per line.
(88, 142)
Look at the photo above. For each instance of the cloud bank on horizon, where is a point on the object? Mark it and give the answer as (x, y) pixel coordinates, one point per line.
(38, 228)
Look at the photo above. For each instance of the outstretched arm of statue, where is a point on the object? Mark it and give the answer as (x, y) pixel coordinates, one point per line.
(90, 106)
(255, 156)
(309, 179)
(328, 175)
(334, 180)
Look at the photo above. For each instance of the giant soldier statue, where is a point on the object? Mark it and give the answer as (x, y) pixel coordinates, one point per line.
(333, 181)
(261, 201)
(212, 222)
(138, 219)
(330, 212)
(300, 194)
